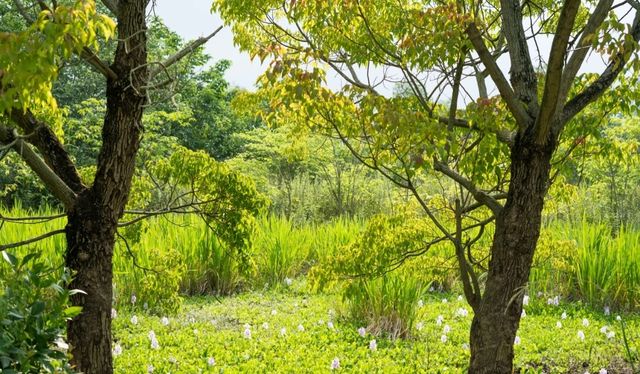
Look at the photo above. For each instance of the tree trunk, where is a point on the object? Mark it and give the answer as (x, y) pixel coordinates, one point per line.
(90, 241)
(93, 220)
(517, 230)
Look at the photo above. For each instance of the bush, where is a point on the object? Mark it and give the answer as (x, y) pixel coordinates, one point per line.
(33, 314)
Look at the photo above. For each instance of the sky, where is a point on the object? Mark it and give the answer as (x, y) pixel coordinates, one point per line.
(192, 19)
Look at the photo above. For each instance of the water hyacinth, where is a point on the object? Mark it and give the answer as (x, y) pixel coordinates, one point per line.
(362, 331)
(460, 298)
(443, 338)
(559, 324)
(133, 299)
(419, 326)
(446, 329)
(564, 315)
(265, 326)
(607, 311)
(274, 312)
(603, 371)
(444, 301)
(585, 322)
(300, 328)
(611, 334)
(420, 303)
(145, 306)
(154, 340)
(330, 325)
(516, 341)
(150, 369)
(117, 350)
(114, 313)
(373, 345)
(288, 281)
(134, 320)
(283, 331)
(247, 333)
(604, 329)
(581, 335)
(554, 301)
(211, 361)
(618, 318)
(462, 312)
(439, 320)
(523, 314)
(335, 364)
(525, 300)
(165, 321)
(173, 360)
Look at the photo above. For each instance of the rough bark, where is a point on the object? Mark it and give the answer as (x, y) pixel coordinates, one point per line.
(517, 230)
(92, 222)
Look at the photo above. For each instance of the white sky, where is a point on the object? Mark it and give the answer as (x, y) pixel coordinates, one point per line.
(192, 19)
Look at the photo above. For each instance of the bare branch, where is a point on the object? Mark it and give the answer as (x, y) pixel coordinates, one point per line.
(480, 196)
(4, 247)
(53, 182)
(554, 69)
(189, 48)
(507, 93)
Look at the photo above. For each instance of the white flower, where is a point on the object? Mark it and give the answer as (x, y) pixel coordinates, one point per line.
(419, 326)
(172, 360)
(581, 335)
(465, 346)
(554, 301)
(439, 320)
(211, 361)
(152, 335)
(154, 344)
(462, 312)
(446, 329)
(604, 329)
(431, 289)
(362, 331)
(117, 350)
(525, 300)
(195, 331)
(247, 333)
(61, 344)
(373, 345)
(444, 301)
(320, 322)
(283, 331)
(330, 325)
(145, 306)
(460, 298)
(133, 299)
(585, 322)
(611, 334)
(539, 293)
(516, 341)
(618, 318)
(134, 320)
(288, 281)
(150, 369)
(443, 338)
(559, 324)
(607, 312)
(265, 326)
(300, 328)
(603, 371)
(523, 314)
(114, 313)
(335, 364)
(274, 312)
(165, 321)
(420, 303)
(564, 315)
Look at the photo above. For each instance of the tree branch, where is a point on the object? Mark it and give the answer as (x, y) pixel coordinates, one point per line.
(480, 196)
(4, 247)
(604, 81)
(189, 48)
(553, 80)
(507, 93)
(112, 5)
(53, 182)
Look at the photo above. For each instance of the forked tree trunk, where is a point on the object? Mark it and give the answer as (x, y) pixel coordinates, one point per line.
(92, 222)
(517, 230)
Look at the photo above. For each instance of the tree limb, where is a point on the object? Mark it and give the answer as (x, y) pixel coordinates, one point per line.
(53, 182)
(189, 48)
(112, 5)
(507, 93)
(480, 196)
(553, 80)
(4, 247)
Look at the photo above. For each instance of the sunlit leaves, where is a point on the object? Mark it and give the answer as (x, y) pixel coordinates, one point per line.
(29, 59)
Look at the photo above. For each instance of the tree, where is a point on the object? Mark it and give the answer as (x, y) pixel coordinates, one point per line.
(499, 151)
(30, 57)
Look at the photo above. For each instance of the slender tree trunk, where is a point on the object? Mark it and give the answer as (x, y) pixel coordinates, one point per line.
(93, 220)
(497, 319)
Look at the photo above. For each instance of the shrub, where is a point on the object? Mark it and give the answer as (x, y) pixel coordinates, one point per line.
(33, 314)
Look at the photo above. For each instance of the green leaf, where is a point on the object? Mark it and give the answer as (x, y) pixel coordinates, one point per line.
(11, 259)
(72, 311)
